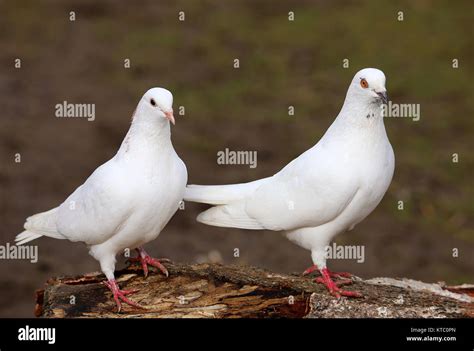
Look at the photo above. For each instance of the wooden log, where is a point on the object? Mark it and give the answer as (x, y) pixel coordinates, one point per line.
(217, 291)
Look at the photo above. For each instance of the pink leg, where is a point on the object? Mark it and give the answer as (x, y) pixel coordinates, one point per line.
(121, 294)
(331, 273)
(146, 260)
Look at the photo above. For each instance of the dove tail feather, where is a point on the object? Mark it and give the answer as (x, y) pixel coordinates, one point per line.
(38, 225)
(25, 237)
(220, 194)
(229, 216)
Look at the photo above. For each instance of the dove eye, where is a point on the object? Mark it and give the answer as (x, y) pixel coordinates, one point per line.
(152, 102)
(364, 84)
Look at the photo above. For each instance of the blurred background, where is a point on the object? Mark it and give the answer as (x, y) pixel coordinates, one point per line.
(282, 63)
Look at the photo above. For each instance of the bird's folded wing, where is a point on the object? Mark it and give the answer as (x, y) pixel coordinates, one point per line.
(285, 203)
(312, 190)
(97, 209)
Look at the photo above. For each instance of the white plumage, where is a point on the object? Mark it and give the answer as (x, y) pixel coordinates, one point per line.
(326, 190)
(128, 200)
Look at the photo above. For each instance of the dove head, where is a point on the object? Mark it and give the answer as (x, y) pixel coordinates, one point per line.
(156, 105)
(368, 87)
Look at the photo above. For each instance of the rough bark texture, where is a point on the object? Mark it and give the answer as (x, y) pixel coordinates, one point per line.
(216, 291)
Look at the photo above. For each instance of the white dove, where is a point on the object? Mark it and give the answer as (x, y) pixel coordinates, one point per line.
(128, 200)
(328, 189)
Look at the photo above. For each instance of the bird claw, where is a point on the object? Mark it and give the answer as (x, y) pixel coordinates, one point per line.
(129, 292)
(340, 274)
(156, 263)
(331, 285)
(338, 292)
(348, 293)
(146, 260)
(121, 295)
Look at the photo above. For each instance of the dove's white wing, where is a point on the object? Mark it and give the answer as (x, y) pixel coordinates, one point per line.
(91, 214)
(311, 190)
(96, 210)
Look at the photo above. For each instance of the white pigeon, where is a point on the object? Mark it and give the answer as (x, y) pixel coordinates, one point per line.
(328, 189)
(128, 200)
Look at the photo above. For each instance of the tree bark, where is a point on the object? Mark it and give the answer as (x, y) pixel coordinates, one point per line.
(217, 291)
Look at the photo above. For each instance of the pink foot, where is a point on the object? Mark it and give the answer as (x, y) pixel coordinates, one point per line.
(121, 294)
(333, 286)
(146, 260)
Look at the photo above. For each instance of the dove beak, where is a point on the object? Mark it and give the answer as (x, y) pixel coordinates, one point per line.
(383, 96)
(169, 116)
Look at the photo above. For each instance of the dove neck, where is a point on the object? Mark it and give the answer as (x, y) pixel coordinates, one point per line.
(146, 136)
(365, 115)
